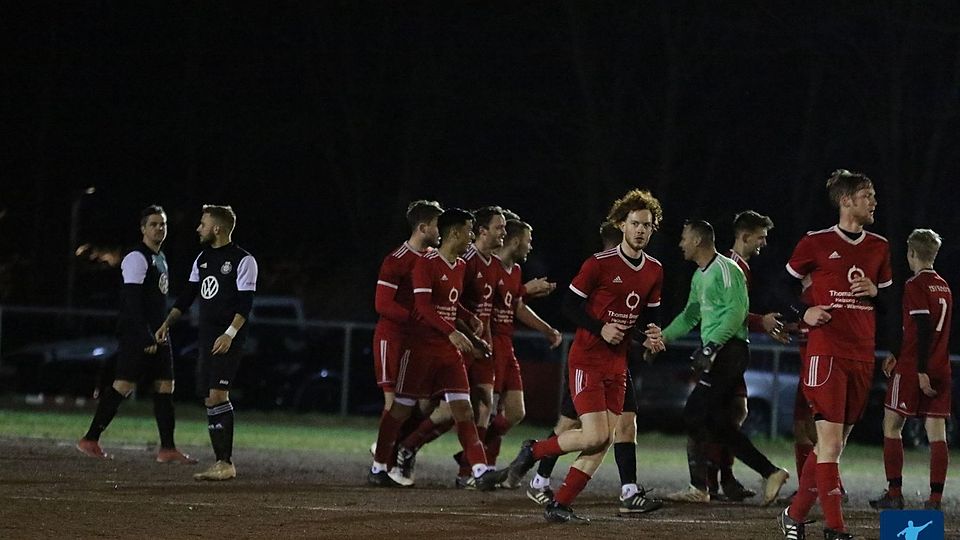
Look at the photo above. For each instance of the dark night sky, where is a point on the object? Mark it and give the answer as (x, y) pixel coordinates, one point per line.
(319, 121)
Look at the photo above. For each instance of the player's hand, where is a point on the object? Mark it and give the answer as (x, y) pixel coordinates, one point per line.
(461, 342)
(771, 323)
(817, 315)
(653, 346)
(554, 337)
(862, 286)
(775, 328)
(222, 344)
(925, 387)
(539, 287)
(889, 363)
(613, 333)
(649, 356)
(162, 334)
(152, 349)
(791, 328)
(702, 358)
(476, 325)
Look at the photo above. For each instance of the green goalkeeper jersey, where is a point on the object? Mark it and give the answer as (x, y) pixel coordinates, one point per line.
(718, 301)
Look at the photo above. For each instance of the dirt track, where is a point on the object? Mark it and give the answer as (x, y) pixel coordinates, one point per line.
(48, 490)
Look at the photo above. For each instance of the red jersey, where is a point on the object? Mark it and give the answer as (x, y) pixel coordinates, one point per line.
(616, 292)
(394, 297)
(508, 292)
(833, 261)
(754, 320)
(437, 286)
(743, 264)
(479, 282)
(927, 293)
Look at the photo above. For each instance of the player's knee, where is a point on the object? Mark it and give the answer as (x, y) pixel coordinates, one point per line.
(515, 415)
(460, 408)
(124, 388)
(828, 451)
(164, 387)
(626, 429)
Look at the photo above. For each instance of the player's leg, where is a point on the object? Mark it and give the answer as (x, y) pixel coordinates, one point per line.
(732, 488)
(893, 422)
(163, 410)
(601, 425)
(129, 363)
(939, 459)
(724, 419)
(222, 369)
(633, 496)
(540, 490)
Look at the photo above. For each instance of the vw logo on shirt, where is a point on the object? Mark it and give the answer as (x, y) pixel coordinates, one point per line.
(209, 287)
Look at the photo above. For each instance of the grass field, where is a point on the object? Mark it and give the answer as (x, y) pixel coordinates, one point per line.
(304, 476)
(352, 435)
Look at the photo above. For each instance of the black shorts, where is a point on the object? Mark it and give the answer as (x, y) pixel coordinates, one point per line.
(134, 365)
(217, 371)
(629, 398)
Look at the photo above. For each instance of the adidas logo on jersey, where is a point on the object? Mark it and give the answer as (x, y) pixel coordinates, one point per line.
(443, 278)
(204, 265)
(903, 405)
(617, 280)
(834, 255)
(479, 275)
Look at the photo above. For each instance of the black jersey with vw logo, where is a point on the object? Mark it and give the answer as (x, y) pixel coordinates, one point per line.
(227, 278)
(144, 295)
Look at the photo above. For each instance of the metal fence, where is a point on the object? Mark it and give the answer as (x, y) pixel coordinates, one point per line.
(343, 350)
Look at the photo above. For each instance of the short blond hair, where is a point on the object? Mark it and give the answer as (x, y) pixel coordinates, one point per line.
(925, 243)
(224, 216)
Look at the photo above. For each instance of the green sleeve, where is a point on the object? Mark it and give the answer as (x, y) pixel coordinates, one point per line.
(684, 322)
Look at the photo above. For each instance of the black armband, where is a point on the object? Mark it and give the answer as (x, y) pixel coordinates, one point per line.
(574, 309)
(243, 304)
(924, 340)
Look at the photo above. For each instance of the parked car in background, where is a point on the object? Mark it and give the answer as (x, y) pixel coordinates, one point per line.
(284, 365)
(663, 387)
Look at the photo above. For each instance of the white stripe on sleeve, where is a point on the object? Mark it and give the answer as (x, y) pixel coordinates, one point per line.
(247, 274)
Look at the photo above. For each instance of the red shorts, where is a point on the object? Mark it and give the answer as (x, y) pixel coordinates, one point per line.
(596, 390)
(479, 370)
(432, 370)
(801, 406)
(508, 369)
(388, 352)
(837, 388)
(905, 398)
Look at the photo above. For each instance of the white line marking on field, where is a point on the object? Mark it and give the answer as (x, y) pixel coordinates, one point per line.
(422, 511)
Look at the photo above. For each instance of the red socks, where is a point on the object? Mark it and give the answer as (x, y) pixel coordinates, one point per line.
(801, 451)
(893, 465)
(572, 485)
(472, 447)
(386, 439)
(939, 460)
(547, 447)
(806, 491)
(830, 494)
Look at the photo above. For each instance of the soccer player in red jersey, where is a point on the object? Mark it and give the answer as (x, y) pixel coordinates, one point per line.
(750, 236)
(920, 379)
(508, 304)
(633, 496)
(606, 300)
(434, 366)
(394, 298)
(848, 267)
